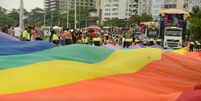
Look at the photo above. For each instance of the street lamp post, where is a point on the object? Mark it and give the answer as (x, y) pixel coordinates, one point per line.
(21, 14)
(75, 13)
(68, 13)
(86, 23)
(44, 18)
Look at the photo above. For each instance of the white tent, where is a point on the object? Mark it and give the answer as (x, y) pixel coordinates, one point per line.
(57, 28)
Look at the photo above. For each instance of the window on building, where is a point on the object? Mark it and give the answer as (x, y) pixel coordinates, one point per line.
(167, 6)
(115, 5)
(115, 14)
(107, 5)
(107, 14)
(108, 1)
(106, 18)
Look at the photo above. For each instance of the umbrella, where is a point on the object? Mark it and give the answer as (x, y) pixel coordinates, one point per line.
(94, 27)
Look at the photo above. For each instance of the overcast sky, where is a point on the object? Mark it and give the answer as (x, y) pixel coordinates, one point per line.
(28, 4)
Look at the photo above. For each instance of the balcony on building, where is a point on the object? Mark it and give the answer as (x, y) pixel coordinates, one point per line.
(46, 1)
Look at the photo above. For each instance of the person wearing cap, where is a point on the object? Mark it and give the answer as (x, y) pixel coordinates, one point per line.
(106, 40)
(85, 39)
(96, 40)
(129, 41)
(26, 34)
(191, 46)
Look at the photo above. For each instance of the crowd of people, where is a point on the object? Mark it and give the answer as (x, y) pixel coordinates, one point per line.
(91, 37)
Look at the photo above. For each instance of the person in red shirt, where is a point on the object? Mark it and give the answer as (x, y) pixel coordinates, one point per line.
(91, 36)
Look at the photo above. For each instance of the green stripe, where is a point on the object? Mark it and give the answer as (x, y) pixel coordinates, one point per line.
(78, 53)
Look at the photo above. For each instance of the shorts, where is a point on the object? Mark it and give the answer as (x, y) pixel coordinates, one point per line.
(39, 39)
(17, 37)
(62, 42)
(67, 41)
(91, 42)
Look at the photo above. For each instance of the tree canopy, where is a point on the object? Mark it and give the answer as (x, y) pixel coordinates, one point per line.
(115, 22)
(37, 15)
(195, 25)
(137, 19)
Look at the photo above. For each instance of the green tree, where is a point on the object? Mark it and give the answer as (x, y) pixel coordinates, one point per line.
(3, 10)
(115, 22)
(14, 14)
(195, 25)
(36, 15)
(81, 18)
(137, 19)
(7, 19)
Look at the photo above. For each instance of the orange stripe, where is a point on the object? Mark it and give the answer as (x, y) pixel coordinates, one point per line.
(161, 80)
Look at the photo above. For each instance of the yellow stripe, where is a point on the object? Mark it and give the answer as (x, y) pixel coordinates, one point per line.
(60, 72)
(185, 49)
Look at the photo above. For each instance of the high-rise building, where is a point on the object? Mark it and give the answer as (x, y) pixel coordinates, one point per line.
(108, 9)
(158, 5)
(65, 5)
(134, 7)
(143, 6)
(193, 3)
(51, 5)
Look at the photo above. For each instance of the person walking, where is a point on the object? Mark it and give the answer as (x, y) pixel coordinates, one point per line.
(17, 32)
(26, 34)
(4, 28)
(39, 32)
(191, 46)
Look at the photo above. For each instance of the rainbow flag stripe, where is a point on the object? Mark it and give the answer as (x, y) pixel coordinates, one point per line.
(89, 73)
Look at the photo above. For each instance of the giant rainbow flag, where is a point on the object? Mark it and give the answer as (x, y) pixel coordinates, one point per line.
(89, 73)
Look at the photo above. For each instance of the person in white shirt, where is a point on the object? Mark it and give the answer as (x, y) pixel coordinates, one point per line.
(17, 32)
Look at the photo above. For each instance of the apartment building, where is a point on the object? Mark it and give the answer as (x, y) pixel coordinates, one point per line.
(193, 3)
(143, 6)
(65, 5)
(51, 5)
(134, 7)
(158, 5)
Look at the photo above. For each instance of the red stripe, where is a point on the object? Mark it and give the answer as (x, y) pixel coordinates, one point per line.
(162, 80)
